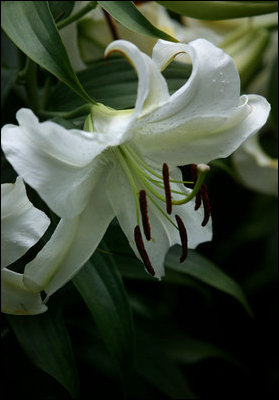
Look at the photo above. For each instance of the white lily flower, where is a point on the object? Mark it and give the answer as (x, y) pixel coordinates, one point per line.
(124, 163)
(22, 226)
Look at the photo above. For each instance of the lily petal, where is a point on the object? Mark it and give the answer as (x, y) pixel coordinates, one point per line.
(212, 90)
(201, 106)
(191, 145)
(58, 163)
(71, 245)
(22, 224)
(152, 87)
(163, 233)
(15, 298)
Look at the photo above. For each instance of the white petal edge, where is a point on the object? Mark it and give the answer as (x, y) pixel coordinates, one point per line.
(60, 164)
(71, 245)
(15, 298)
(197, 147)
(22, 224)
(152, 87)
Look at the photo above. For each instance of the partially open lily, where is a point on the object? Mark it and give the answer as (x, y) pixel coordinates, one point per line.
(22, 226)
(124, 163)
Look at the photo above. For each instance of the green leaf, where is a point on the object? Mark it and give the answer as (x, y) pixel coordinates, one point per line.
(132, 268)
(45, 340)
(113, 83)
(214, 10)
(186, 349)
(60, 9)
(200, 268)
(8, 78)
(154, 365)
(128, 15)
(30, 25)
(101, 287)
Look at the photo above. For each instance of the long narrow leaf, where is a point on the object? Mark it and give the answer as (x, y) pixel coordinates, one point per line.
(102, 289)
(114, 84)
(45, 340)
(214, 10)
(60, 9)
(200, 268)
(30, 25)
(128, 15)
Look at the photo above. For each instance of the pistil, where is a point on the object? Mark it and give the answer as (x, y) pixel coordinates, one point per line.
(202, 171)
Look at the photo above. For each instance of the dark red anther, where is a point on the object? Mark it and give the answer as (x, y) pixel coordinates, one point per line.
(198, 200)
(183, 238)
(144, 214)
(166, 179)
(206, 204)
(194, 172)
(142, 251)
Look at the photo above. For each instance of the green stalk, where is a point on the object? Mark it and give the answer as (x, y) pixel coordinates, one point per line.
(67, 21)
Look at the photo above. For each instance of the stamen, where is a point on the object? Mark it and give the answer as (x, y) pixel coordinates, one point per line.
(142, 251)
(198, 200)
(136, 159)
(144, 214)
(183, 238)
(206, 204)
(194, 172)
(166, 179)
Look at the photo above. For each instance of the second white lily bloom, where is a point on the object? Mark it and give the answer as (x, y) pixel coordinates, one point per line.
(118, 165)
(22, 226)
